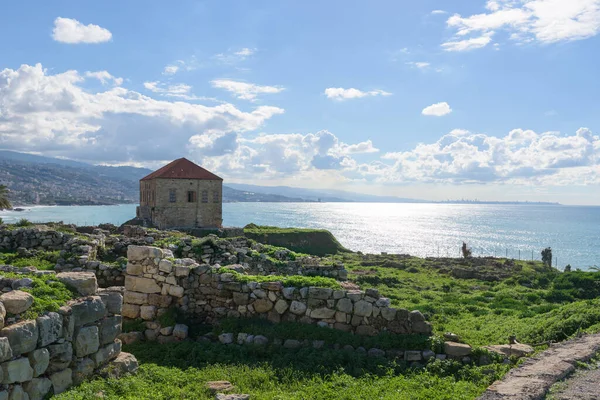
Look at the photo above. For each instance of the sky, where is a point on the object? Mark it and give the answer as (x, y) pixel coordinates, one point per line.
(430, 99)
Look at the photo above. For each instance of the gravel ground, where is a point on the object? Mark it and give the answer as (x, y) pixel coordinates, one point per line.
(583, 385)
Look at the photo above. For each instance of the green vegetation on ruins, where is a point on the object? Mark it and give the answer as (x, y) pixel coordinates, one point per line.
(180, 370)
(485, 301)
(318, 242)
(48, 293)
(42, 260)
(298, 281)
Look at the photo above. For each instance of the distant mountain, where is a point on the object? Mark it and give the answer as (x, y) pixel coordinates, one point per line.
(34, 179)
(327, 195)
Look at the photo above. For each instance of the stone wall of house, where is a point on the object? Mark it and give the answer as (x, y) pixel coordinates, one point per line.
(155, 282)
(206, 211)
(58, 349)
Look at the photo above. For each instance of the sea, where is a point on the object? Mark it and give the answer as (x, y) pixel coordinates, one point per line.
(516, 231)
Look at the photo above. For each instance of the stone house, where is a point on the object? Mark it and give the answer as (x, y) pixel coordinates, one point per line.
(181, 195)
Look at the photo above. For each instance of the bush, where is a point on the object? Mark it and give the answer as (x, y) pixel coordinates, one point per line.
(23, 222)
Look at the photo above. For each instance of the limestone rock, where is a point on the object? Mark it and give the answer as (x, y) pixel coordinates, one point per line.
(222, 396)
(106, 353)
(262, 305)
(260, 340)
(125, 363)
(226, 338)
(5, 350)
(319, 293)
(454, 349)
(110, 328)
(62, 380)
(131, 311)
(82, 369)
(137, 253)
(281, 306)
(180, 331)
(297, 308)
(148, 313)
(142, 285)
(84, 283)
(16, 301)
(412, 356)
(86, 341)
(50, 328)
(132, 297)
(363, 308)
(22, 336)
(292, 344)
(344, 305)
(113, 301)
(508, 350)
(131, 337)
(38, 388)
(39, 360)
(322, 313)
(2, 315)
(17, 370)
(219, 386)
(17, 393)
(88, 310)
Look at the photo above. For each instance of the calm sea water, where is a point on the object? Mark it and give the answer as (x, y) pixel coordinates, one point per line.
(522, 231)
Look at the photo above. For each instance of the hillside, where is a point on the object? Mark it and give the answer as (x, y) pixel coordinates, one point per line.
(34, 179)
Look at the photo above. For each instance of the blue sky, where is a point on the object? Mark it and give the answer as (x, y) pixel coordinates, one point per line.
(429, 99)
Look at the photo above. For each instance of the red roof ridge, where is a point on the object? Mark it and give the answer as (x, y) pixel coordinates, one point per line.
(182, 168)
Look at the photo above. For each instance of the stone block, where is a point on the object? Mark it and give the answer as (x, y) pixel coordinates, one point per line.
(61, 356)
(159, 300)
(416, 316)
(288, 292)
(39, 360)
(281, 306)
(82, 369)
(87, 341)
(22, 336)
(16, 301)
(5, 350)
(50, 328)
(88, 310)
(412, 356)
(18, 393)
(113, 301)
(106, 353)
(181, 270)
(110, 328)
(137, 253)
(131, 337)
(322, 313)
(423, 327)
(18, 370)
(142, 285)
(366, 330)
(148, 313)
(226, 338)
(84, 283)
(38, 388)
(2, 315)
(180, 331)
(454, 349)
(297, 308)
(62, 380)
(345, 305)
(176, 291)
(262, 305)
(165, 266)
(134, 269)
(292, 344)
(241, 299)
(375, 353)
(388, 314)
(319, 293)
(131, 297)
(131, 311)
(124, 364)
(363, 308)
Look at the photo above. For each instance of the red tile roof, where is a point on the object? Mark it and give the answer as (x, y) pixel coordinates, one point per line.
(182, 168)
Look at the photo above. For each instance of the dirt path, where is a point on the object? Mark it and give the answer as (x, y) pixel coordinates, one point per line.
(583, 385)
(535, 376)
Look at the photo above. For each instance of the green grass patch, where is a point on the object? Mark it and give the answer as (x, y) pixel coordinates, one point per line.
(43, 260)
(180, 371)
(298, 281)
(48, 294)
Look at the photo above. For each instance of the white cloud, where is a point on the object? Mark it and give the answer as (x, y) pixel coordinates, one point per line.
(232, 57)
(345, 94)
(104, 77)
(439, 12)
(419, 64)
(52, 113)
(67, 30)
(244, 90)
(544, 21)
(170, 70)
(437, 109)
(468, 44)
(520, 157)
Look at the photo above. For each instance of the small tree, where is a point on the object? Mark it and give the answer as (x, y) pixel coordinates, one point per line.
(568, 268)
(547, 257)
(466, 252)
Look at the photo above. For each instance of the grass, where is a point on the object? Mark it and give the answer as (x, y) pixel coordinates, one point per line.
(297, 281)
(180, 371)
(533, 302)
(43, 260)
(47, 292)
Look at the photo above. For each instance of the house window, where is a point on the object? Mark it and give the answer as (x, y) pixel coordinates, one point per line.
(191, 196)
(172, 198)
(216, 197)
(205, 196)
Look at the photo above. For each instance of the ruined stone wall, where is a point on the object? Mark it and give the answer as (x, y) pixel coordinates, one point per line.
(58, 349)
(155, 282)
